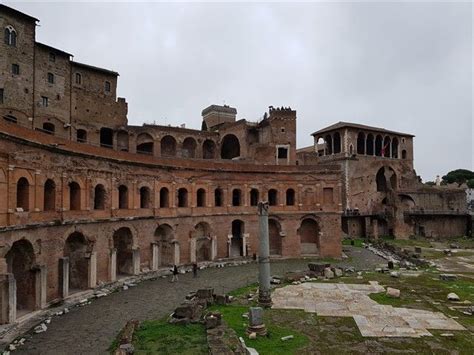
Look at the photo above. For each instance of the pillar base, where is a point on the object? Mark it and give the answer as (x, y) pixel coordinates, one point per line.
(257, 329)
(264, 300)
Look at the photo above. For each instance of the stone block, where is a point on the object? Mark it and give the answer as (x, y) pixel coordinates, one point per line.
(205, 293)
(255, 316)
(393, 292)
(453, 297)
(318, 269)
(328, 273)
(448, 277)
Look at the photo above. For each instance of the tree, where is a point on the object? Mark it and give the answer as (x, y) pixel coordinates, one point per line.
(470, 183)
(458, 176)
(430, 183)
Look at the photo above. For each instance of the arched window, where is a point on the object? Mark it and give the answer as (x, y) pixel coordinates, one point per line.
(50, 78)
(144, 197)
(386, 147)
(168, 146)
(201, 198)
(378, 145)
(361, 143)
(328, 141)
(106, 137)
(81, 135)
(272, 197)
(164, 197)
(99, 197)
(218, 198)
(290, 197)
(236, 197)
(49, 199)
(10, 36)
(74, 196)
(182, 197)
(123, 197)
(395, 148)
(254, 195)
(189, 148)
(337, 143)
(370, 145)
(78, 79)
(145, 144)
(48, 127)
(23, 194)
(230, 147)
(208, 149)
(404, 154)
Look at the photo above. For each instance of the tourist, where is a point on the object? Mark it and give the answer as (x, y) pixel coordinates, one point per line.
(175, 274)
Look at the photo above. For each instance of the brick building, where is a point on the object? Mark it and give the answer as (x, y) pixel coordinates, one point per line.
(87, 198)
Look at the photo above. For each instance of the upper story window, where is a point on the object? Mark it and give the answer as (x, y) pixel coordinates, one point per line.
(15, 69)
(107, 86)
(78, 79)
(52, 57)
(1, 96)
(10, 36)
(51, 78)
(44, 101)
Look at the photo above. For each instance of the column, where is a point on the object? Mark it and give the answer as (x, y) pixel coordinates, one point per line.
(7, 298)
(192, 249)
(264, 296)
(176, 253)
(245, 238)
(136, 261)
(92, 270)
(213, 247)
(229, 245)
(64, 276)
(154, 256)
(113, 264)
(41, 286)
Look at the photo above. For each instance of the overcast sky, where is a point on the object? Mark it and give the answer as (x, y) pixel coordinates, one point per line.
(402, 66)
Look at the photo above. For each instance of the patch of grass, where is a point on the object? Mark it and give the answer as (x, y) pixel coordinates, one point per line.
(270, 344)
(357, 242)
(382, 298)
(243, 291)
(160, 337)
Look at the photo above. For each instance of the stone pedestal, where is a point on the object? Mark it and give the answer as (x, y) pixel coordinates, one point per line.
(256, 324)
(92, 270)
(155, 252)
(136, 261)
(113, 265)
(64, 276)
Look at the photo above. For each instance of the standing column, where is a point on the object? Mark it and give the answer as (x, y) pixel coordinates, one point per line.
(64, 276)
(264, 296)
(92, 270)
(213, 247)
(154, 256)
(136, 261)
(41, 286)
(192, 249)
(113, 264)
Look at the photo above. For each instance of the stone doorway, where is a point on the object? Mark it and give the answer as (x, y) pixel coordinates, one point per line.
(309, 236)
(274, 231)
(237, 240)
(76, 249)
(21, 261)
(164, 237)
(123, 242)
(203, 242)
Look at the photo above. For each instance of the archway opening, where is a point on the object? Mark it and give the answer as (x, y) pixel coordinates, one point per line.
(370, 145)
(145, 144)
(49, 202)
(81, 135)
(236, 197)
(48, 127)
(189, 148)
(290, 197)
(106, 137)
(182, 197)
(76, 249)
(274, 231)
(20, 262)
(230, 147)
(201, 198)
(168, 146)
(23, 194)
(208, 149)
(378, 145)
(203, 242)
(361, 143)
(254, 196)
(74, 196)
(272, 197)
(237, 241)
(99, 197)
(386, 147)
(164, 197)
(328, 141)
(309, 236)
(218, 197)
(164, 236)
(123, 197)
(145, 197)
(123, 242)
(395, 148)
(337, 143)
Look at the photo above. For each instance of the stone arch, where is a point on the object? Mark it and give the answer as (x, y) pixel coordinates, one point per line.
(183, 197)
(164, 197)
(370, 145)
(236, 197)
(407, 202)
(361, 143)
(201, 198)
(254, 197)
(189, 148)
(74, 196)
(145, 143)
(164, 235)
(386, 179)
(237, 240)
(209, 149)
(99, 197)
(202, 233)
(123, 244)
(274, 232)
(218, 197)
(21, 262)
(404, 154)
(145, 197)
(272, 197)
(168, 146)
(76, 248)
(49, 195)
(290, 197)
(308, 233)
(23, 194)
(230, 147)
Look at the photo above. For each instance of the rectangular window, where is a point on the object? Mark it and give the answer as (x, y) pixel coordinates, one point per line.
(52, 57)
(15, 69)
(78, 79)
(282, 153)
(107, 86)
(44, 101)
(1, 96)
(51, 78)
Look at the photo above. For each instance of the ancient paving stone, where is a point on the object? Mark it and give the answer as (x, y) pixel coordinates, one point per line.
(352, 300)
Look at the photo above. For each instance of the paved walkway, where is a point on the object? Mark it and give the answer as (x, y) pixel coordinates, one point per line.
(91, 329)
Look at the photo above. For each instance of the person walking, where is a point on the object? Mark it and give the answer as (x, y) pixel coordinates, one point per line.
(195, 270)
(175, 274)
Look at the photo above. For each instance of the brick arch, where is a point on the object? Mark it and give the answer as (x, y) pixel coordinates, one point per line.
(91, 239)
(19, 173)
(133, 230)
